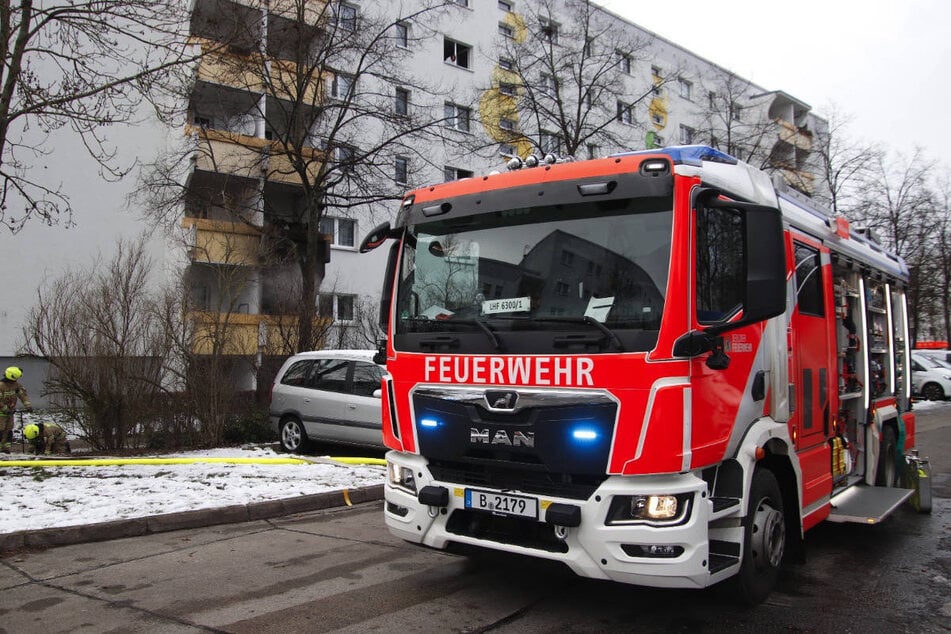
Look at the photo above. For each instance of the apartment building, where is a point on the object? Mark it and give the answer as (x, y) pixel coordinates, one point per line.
(476, 71)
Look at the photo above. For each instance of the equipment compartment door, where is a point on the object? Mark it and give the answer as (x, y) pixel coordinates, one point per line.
(813, 357)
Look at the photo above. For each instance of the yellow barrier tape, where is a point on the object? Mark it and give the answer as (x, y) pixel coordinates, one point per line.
(113, 462)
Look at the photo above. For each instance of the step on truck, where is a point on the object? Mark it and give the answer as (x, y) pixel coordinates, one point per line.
(660, 368)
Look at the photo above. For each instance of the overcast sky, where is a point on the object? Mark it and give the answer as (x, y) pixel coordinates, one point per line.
(887, 64)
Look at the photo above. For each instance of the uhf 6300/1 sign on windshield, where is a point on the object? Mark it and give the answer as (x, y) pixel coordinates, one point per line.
(510, 305)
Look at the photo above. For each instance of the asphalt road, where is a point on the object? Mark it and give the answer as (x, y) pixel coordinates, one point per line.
(341, 571)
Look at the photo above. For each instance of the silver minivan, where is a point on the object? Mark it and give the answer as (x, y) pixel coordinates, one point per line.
(330, 396)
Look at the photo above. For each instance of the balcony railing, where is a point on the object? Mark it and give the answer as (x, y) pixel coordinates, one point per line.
(221, 242)
(227, 152)
(246, 334)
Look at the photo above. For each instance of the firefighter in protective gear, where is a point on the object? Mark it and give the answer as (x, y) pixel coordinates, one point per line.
(10, 391)
(46, 438)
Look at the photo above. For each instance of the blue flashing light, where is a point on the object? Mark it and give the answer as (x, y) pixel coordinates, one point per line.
(688, 154)
(584, 434)
(431, 423)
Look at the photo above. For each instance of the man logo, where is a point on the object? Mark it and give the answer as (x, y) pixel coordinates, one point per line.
(501, 399)
(501, 437)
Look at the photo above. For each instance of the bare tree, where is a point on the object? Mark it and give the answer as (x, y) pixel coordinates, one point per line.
(324, 106)
(97, 330)
(574, 87)
(734, 117)
(79, 64)
(844, 163)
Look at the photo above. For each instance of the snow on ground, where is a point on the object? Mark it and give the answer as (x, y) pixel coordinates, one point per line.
(43, 497)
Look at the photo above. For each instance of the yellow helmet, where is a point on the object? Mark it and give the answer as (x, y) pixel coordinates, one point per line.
(13, 373)
(31, 431)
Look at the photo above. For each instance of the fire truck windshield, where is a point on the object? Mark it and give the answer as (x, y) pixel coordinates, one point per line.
(596, 268)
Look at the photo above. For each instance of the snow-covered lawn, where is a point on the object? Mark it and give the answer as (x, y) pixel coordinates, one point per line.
(44, 497)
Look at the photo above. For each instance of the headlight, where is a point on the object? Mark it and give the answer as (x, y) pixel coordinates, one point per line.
(401, 476)
(649, 509)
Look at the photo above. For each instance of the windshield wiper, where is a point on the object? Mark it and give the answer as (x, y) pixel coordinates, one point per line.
(481, 324)
(588, 320)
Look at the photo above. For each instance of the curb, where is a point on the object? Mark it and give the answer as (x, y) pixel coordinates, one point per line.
(138, 526)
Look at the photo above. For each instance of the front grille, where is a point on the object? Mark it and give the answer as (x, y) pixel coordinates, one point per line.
(506, 530)
(504, 476)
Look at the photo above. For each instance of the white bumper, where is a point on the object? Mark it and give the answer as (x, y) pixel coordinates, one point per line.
(593, 549)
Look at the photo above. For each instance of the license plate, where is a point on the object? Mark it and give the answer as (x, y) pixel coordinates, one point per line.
(502, 503)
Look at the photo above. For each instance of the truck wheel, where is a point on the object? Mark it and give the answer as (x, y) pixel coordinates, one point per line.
(887, 474)
(765, 539)
(293, 436)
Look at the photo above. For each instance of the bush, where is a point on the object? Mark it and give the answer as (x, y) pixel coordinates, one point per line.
(251, 427)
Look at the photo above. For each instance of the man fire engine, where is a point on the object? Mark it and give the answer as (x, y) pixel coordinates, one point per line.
(658, 368)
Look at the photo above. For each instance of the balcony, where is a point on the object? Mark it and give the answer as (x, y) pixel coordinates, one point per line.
(221, 242)
(223, 65)
(797, 137)
(245, 334)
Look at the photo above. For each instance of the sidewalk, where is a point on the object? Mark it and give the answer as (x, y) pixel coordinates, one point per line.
(134, 527)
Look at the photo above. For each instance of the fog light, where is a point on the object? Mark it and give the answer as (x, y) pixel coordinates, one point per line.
(401, 477)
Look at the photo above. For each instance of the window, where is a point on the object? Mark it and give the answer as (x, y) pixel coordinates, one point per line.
(712, 99)
(454, 173)
(686, 135)
(401, 105)
(808, 280)
(455, 53)
(720, 263)
(341, 85)
(657, 74)
(624, 62)
(593, 151)
(461, 3)
(507, 89)
(507, 124)
(736, 110)
(549, 142)
(506, 30)
(345, 307)
(624, 114)
(567, 257)
(548, 85)
(343, 155)
(686, 88)
(330, 375)
(507, 150)
(549, 29)
(297, 374)
(401, 170)
(562, 288)
(457, 117)
(345, 16)
(657, 118)
(506, 64)
(506, 6)
(343, 230)
(658, 140)
(402, 35)
(367, 378)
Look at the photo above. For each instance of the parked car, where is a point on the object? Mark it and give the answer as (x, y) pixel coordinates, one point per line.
(930, 378)
(941, 355)
(330, 396)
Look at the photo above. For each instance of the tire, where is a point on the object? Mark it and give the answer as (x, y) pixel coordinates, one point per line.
(887, 473)
(293, 436)
(764, 544)
(932, 392)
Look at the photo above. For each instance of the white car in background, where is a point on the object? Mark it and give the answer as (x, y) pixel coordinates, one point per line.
(328, 396)
(930, 378)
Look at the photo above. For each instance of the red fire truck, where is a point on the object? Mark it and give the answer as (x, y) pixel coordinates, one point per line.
(658, 368)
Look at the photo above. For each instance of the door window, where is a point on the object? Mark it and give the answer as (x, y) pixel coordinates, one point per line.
(366, 378)
(330, 375)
